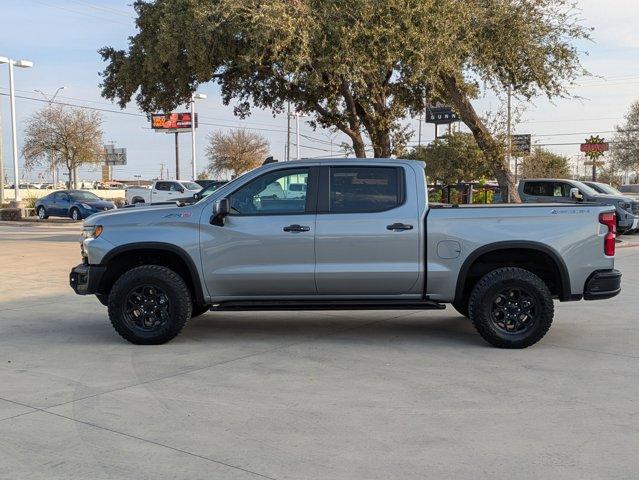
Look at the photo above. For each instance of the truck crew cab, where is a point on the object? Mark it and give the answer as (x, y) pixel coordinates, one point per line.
(362, 236)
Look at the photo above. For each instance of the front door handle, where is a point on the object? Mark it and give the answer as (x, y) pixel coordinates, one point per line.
(399, 226)
(295, 228)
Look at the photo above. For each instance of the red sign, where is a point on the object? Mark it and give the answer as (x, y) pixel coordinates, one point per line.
(594, 147)
(171, 121)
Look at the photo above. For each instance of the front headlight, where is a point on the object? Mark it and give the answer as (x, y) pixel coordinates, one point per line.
(87, 206)
(92, 231)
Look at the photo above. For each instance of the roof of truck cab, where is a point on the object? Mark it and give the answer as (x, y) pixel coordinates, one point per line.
(347, 160)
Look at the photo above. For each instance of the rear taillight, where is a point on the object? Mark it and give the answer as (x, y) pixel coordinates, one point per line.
(609, 219)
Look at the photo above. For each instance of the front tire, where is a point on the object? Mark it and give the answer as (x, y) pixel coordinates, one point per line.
(42, 213)
(75, 214)
(149, 305)
(511, 308)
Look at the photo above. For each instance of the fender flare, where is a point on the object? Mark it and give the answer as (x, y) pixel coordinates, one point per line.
(566, 293)
(167, 247)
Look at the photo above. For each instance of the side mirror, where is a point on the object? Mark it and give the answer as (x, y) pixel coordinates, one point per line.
(181, 189)
(575, 195)
(196, 196)
(220, 210)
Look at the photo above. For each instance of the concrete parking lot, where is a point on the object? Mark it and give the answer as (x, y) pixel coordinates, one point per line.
(306, 395)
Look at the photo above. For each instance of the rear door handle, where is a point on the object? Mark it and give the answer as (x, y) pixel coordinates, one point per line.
(295, 228)
(399, 226)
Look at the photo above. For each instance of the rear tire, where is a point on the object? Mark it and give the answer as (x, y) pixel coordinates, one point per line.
(511, 308)
(149, 305)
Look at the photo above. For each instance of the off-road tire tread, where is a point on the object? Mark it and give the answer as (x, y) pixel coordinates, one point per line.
(180, 297)
(484, 326)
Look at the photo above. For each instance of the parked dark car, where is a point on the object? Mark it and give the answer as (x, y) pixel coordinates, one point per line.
(77, 204)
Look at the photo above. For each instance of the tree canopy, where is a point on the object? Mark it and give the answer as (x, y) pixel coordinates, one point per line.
(625, 147)
(237, 151)
(543, 163)
(452, 159)
(360, 66)
(71, 137)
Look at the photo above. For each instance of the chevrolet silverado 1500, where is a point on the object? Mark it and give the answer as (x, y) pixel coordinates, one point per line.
(361, 236)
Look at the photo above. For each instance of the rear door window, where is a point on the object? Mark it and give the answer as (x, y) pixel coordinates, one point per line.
(539, 189)
(364, 189)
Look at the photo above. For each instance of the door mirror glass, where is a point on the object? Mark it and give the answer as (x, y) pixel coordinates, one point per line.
(220, 210)
(575, 194)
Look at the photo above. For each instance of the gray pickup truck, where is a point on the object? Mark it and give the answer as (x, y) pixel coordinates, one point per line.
(362, 236)
(536, 190)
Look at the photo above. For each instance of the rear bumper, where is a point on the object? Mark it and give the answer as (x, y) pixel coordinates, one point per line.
(603, 284)
(85, 279)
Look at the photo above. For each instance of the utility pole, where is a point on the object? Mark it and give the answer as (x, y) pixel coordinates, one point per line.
(50, 100)
(161, 171)
(297, 134)
(419, 135)
(508, 127)
(288, 133)
(194, 97)
(177, 157)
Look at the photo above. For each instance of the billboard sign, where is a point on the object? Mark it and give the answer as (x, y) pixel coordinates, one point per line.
(114, 156)
(172, 121)
(520, 144)
(440, 115)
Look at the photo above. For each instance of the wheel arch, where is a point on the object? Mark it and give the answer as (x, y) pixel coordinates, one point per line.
(125, 257)
(540, 258)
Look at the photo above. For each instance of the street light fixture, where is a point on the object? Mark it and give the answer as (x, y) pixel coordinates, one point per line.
(12, 102)
(194, 97)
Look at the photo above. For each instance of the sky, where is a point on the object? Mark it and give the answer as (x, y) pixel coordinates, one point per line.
(62, 37)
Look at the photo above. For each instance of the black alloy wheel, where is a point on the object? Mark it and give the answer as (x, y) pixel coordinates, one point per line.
(146, 308)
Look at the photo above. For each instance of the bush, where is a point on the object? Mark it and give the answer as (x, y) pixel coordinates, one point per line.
(29, 202)
(11, 214)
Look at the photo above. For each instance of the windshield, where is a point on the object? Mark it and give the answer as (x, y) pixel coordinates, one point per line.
(191, 186)
(209, 190)
(608, 189)
(84, 196)
(586, 189)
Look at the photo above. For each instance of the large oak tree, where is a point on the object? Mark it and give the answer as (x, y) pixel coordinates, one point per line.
(357, 65)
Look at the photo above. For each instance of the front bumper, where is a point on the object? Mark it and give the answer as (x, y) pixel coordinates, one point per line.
(603, 284)
(85, 279)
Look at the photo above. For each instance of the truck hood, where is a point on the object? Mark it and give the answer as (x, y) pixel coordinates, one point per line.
(141, 215)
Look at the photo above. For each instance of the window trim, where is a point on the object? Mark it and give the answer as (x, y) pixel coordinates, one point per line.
(324, 201)
(311, 193)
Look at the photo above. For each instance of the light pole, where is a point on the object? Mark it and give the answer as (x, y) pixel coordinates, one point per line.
(14, 138)
(194, 97)
(50, 100)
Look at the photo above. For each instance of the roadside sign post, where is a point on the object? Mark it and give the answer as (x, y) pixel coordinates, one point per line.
(440, 115)
(175, 123)
(594, 148)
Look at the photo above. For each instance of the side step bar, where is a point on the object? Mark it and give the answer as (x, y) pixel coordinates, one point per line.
(327, 305)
